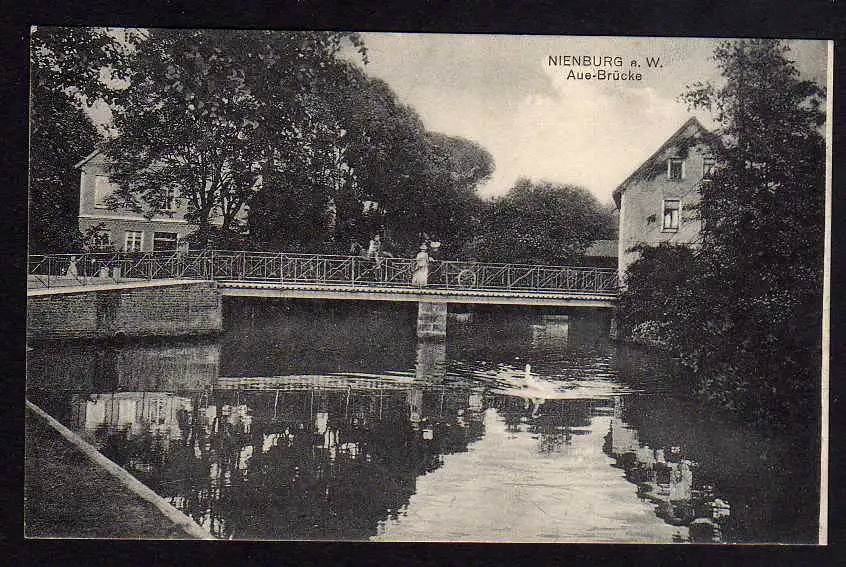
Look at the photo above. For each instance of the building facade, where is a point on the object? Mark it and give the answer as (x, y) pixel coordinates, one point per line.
(657, 202)
(124, 229)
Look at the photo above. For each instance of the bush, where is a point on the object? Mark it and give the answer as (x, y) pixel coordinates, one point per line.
(651, 333)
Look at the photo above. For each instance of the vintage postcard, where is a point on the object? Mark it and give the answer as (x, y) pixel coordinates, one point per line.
(427, 287)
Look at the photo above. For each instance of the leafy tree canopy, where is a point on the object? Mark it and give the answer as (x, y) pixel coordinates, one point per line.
(744, 310)
(75, 61)
(269, 120)
(542, 223)
(419, 184)
(209, 113)
(67, 71)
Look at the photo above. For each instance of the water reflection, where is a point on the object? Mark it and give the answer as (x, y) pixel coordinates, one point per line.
(290, 443)
(430, 364)
(665, 477)
(552, 332)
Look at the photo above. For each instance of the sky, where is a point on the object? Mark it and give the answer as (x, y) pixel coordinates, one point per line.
(502, 92)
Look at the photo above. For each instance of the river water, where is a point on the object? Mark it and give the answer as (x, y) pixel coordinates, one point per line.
(330, 420)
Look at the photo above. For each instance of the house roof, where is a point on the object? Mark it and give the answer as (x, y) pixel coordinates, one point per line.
(678, 135)
(602, 249)
(88, 158)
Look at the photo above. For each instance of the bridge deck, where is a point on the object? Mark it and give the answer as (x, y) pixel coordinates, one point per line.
(315, 276)
(35, 289)
(415, 294)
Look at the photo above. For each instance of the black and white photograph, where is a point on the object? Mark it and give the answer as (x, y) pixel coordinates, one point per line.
(427, 287)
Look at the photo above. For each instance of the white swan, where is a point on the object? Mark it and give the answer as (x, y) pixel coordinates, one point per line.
(527, 385)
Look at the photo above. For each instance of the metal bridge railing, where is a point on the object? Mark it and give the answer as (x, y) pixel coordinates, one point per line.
(51, 270)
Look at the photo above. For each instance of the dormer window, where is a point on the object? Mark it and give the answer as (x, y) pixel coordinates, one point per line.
(675, 169)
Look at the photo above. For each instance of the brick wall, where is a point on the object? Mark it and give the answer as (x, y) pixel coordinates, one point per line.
(172, 310)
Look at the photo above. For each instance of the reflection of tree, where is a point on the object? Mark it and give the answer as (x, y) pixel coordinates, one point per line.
(327, 466)
(260, 464)
(297, 490)
(553, 421)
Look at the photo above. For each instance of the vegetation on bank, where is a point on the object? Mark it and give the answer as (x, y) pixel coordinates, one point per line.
(743, 308)
(539, 223)
(65, 78)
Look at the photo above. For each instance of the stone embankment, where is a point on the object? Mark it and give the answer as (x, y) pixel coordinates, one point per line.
(138, 309)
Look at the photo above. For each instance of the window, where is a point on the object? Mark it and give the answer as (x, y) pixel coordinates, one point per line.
(102, 189)
(675, 169)
(164, 241)
(672, 212)
(133, 241)
(101, 240)
(708, 163)
(169, 199)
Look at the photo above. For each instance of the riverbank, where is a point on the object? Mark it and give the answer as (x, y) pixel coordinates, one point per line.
(69, 496)
(715, 436)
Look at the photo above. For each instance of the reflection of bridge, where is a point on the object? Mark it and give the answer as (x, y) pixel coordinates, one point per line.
(322, 382)
(264, 274)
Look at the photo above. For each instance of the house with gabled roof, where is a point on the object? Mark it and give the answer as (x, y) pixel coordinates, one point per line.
(162, 228)
(125, 229)
(657, 202)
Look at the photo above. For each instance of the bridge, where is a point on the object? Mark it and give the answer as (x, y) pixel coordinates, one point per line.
(318, 276)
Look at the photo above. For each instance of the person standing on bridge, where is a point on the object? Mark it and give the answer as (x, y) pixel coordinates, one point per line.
(421, 267)
(374, 250)
(72, 271)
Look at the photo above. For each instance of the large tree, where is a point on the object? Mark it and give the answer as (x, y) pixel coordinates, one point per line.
(745, 314)
(66, 76)
(763, 229)
(450, 209)
(539, 223)
(374, 150)
(283, 123)
(212, 114)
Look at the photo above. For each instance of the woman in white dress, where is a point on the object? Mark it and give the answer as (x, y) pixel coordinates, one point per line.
(421, 267)
(72, 271)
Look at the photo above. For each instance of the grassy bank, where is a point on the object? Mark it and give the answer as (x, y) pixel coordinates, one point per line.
(67, 495)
